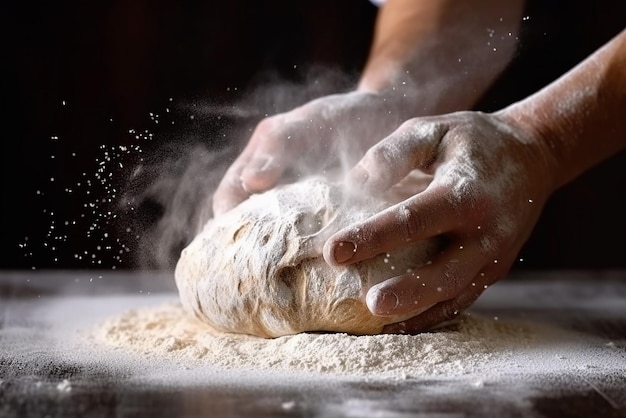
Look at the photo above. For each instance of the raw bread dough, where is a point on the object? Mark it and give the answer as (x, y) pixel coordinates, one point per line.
(258, 269)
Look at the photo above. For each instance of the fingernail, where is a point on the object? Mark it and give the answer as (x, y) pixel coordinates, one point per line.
(344, 251)
(381, 302)
(245, 187)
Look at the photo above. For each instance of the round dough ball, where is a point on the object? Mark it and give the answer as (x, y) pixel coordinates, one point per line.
(258, 268)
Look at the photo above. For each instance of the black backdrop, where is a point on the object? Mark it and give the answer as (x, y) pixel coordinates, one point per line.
(96, 88)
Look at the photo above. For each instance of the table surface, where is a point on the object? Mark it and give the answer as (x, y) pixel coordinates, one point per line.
(40, 311)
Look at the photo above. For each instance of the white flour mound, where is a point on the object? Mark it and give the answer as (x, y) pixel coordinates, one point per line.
(168, 332)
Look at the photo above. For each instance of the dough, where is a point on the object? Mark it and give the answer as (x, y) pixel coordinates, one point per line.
(258, 269)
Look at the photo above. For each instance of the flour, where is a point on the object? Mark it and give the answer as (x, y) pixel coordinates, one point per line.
(258, 269)
(123, 346)
(65, 386)
(167, 332)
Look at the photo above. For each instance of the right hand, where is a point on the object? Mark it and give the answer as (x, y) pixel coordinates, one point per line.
(321, 134)
(490, 177)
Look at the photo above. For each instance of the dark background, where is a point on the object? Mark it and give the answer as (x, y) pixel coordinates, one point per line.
(109, 104)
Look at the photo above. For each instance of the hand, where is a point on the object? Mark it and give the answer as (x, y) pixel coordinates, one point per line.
(489, 183)
(308, 139)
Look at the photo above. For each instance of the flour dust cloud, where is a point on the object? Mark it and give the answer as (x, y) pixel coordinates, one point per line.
(171, 190)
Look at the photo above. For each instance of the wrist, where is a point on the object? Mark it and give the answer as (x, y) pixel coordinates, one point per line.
(397, 99)
(579, 118)
(538, 139)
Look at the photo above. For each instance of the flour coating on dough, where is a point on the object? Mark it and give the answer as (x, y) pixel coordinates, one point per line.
(258, 268)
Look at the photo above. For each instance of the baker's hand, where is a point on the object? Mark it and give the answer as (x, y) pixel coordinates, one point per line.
(307, 140)
(489, 183)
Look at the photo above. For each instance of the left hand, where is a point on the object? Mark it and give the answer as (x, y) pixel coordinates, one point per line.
(309, 138)
(490, 180)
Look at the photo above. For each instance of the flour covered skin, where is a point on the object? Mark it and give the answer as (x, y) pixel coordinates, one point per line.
(258, 268)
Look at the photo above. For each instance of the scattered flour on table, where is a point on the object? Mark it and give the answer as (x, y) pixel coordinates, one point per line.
(167, 332)
(65, 386)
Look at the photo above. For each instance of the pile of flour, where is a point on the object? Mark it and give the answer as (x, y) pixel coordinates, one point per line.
(166, 332)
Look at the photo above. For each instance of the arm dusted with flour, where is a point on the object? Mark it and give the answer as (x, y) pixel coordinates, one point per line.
(491, 175)
(428, 57)
(582, 116)
(441, 55)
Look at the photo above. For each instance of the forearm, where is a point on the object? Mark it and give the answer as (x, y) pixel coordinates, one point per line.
(579, 119)
(438, 56)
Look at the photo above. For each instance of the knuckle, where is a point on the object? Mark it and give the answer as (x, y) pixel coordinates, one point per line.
(498, 235)
(451, 311)
(453, 308)
(469, 200)
(411, 224)
(370, 240)
(379, 155)
(453, 277)
(267, 126)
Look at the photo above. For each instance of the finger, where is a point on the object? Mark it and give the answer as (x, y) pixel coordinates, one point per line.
(440, 313)
(422, 216)
(263, 172)
(256, 169)
(441, 280)
(269, 155)
(282, 143)
(230, 191)
(413, 145)
(416, 182)
(450, 309)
